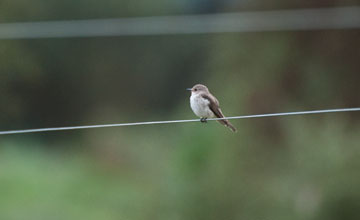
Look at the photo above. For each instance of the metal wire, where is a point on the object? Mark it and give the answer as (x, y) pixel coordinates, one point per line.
(279, 20)
(178, 121)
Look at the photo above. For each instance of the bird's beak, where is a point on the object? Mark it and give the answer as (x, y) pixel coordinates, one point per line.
(189, 89)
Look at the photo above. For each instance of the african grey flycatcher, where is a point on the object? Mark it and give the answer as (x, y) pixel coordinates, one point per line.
(205, 105)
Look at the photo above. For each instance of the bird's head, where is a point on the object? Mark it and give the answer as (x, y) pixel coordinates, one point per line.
(198, 88)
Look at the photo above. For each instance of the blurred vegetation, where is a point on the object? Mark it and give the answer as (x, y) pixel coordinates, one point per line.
(301, 167)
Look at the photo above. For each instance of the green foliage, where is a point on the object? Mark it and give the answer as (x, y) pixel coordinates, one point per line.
(202, 172)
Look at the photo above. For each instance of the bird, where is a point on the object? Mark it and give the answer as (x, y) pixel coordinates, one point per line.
(205, 105)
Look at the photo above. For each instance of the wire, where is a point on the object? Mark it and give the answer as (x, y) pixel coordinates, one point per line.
(178, 121)
(278, 20)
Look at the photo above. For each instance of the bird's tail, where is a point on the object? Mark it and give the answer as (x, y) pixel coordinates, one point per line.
(226, 123)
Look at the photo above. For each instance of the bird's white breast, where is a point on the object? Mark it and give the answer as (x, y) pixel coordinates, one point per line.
(200, 106)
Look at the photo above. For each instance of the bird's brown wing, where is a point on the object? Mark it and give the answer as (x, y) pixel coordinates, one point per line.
(213, 105)
(215, 108)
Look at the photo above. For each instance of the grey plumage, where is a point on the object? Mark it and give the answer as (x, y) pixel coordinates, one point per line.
(205, 105)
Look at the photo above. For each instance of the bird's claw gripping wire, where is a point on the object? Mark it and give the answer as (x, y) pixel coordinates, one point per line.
(203, 120)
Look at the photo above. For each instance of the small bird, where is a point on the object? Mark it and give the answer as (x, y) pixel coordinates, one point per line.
(205, 105)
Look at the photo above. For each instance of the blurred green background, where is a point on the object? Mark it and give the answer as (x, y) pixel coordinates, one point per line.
(298, 167)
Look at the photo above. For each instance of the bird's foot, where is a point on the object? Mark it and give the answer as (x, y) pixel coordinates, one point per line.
(203, 120)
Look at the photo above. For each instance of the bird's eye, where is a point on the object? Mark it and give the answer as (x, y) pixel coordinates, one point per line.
(195, 90)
